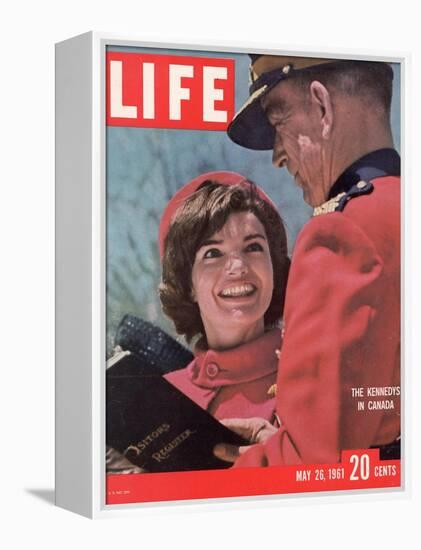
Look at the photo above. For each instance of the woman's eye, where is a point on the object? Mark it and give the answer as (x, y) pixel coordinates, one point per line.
(254, 247)
(212, 253)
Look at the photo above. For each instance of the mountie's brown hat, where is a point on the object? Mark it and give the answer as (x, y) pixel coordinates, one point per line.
(250, 127)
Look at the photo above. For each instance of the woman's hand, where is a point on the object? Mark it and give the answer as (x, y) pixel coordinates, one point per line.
(255, 430)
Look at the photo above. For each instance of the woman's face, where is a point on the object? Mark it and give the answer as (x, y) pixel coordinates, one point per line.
(232, 281)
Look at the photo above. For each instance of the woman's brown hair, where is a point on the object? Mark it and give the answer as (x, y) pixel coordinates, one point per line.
(204, 213)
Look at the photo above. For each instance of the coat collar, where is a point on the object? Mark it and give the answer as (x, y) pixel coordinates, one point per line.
(251, 361)
(383, 162)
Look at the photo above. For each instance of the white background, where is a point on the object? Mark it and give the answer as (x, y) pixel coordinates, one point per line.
(28, 33)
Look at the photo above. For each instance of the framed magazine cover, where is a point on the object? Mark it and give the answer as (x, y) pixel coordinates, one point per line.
(137, 404)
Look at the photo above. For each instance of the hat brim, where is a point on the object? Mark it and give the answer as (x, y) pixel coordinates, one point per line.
(250, 127)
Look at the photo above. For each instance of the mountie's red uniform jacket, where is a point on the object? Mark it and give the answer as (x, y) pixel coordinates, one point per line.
(342, 332)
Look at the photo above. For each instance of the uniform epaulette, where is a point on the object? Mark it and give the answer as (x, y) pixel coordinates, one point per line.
(338, 203)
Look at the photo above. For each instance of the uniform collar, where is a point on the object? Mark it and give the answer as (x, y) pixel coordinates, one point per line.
(245, 363)
(383, 162)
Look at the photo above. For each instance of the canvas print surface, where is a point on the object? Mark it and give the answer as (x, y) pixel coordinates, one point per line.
(253, 275)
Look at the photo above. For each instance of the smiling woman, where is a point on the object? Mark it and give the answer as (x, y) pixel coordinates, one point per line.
(232, 281)
(224, 272)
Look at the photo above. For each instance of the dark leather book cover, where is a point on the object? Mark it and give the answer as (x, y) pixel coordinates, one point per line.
(156, 426)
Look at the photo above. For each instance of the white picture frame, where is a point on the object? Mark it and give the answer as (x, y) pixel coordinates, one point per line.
(80, 270)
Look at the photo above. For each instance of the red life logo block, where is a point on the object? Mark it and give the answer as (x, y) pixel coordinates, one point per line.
(168, 91)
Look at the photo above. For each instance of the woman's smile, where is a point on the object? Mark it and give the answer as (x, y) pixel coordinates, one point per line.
(238, 291)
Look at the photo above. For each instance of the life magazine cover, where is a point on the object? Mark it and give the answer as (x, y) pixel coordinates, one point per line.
(253, 274)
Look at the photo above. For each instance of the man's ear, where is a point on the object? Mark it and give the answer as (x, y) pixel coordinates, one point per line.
(320, 96)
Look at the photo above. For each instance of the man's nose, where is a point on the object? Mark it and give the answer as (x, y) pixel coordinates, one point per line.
(279, 157)
(236, 264)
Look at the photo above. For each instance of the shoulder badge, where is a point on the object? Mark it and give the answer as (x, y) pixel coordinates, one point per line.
(272, 391)
(338, 203)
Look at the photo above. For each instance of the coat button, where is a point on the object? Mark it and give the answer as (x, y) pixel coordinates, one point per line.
(212, 370)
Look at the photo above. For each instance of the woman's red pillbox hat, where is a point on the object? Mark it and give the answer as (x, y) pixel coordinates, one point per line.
(223, 178)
